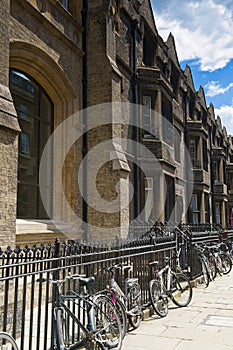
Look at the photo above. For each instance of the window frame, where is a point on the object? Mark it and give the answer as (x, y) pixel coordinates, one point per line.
(33, 124)
(195, 211)
(147, 113)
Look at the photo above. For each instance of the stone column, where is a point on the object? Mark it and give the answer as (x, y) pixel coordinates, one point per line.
(161, 200)
(223, 214)
(202, 208)
(9, 130)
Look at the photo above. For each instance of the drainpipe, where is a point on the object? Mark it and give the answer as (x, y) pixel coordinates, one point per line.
(186, 137)
(134, 83)
(211, 174)
(84, 87)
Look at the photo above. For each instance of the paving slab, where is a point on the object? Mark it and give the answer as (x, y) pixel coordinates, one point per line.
(206, 324)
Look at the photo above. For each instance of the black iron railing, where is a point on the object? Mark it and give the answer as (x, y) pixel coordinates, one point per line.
(26, 306)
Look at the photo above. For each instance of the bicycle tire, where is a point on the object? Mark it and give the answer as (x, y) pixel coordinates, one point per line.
(203, 279)
(122, 315)
(158, 302)
(60, 330)
(135, 305)
(212, 268)
(10, 340)
(120, 307)
(107, 323)
(226, 263)
(182, 291)
(219, 265)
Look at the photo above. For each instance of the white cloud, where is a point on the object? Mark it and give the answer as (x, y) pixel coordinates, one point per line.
(213, 88)
(202, 29)
(226, 115)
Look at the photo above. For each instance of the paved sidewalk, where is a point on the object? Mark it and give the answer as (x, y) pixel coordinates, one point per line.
(206, 324)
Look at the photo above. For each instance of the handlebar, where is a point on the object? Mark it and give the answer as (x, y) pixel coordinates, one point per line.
(60, 281)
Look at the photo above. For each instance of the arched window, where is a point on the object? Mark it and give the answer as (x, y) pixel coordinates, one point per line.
(35, 113)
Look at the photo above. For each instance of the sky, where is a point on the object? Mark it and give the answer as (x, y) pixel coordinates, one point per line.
(203, 32)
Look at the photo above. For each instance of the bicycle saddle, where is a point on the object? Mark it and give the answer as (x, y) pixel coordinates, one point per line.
(127, 267)
(86, 281)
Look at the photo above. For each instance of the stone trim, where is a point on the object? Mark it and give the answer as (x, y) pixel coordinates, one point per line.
(8, 115)
(33, 231)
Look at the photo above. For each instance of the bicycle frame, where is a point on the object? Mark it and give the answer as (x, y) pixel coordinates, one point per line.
(160, 274)
(116, 290)
(88, 305)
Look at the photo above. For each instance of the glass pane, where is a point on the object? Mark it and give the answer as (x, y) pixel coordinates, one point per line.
(26, 108)
(46, 109)
(194, 202)
(24, 143)
(21, 84)
(27, 201)
(35, 118)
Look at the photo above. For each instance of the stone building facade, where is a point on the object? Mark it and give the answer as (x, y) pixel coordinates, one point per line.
(62, 56)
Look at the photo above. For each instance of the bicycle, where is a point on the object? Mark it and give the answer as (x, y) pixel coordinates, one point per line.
(208, 270)
(128, 302)
(222, 258)
(213, 260)
(168, 284)
(7, 342)
(94, 318)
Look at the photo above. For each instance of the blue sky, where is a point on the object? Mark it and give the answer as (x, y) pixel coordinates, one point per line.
(203, 32)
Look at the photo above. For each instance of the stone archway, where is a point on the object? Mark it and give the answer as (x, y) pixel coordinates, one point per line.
(46, 71)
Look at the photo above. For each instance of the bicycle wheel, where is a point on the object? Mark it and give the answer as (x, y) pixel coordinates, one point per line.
(60, 327)
(122, 315)
(212, 268)
(226, 263)
(159, 303)
(107, 323)
(7, 342)
(219, 264)
(181, 290)
(135, 305)
(203, 280)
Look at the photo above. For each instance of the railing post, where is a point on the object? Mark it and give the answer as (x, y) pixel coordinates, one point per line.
(55, 273)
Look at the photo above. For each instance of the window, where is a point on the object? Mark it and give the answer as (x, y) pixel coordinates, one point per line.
(195, 211)
(24, 143)
(149, 46)
(35, 111)
(23, 111)
(217, 213)
(177, 144)
(193, 150)
(167, 122)
(65, 3)
(231, 216)
(230, 183)
(207, 218)
(205, 155)
(148, 197)
(216, 170)
(170, 198)
(146, 115)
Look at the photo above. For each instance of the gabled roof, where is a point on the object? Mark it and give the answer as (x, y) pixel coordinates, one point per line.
(201, 95)
(188, 74)
(172, 49)
(148, 15)
(224, 131)
(211, 112)
(219, 123)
